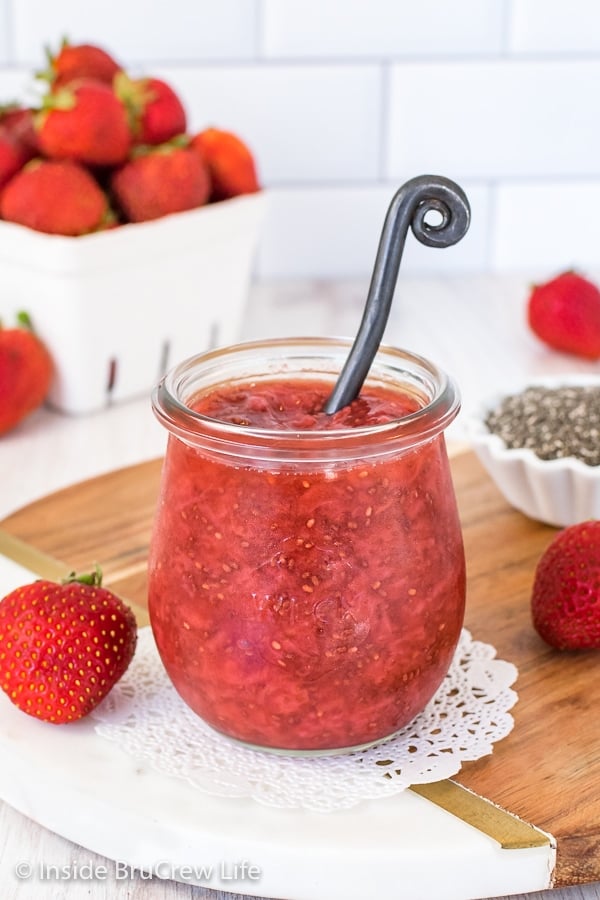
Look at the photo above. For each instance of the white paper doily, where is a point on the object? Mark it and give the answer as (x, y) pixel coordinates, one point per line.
(146, 717)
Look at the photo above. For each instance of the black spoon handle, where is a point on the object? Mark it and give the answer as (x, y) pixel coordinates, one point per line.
(409, 207)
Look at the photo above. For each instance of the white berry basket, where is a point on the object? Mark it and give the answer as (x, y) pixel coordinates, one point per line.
(558, 492)
(117, 308)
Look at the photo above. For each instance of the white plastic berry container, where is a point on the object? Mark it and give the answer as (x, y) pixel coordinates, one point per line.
(558, 492)
(117, 308)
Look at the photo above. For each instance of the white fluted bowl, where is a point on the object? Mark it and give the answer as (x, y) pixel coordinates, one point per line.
(559, 492)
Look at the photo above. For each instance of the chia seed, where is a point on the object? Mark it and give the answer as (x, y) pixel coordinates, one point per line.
(553, 422)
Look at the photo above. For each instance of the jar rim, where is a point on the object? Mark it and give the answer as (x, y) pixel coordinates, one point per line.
(392, 366)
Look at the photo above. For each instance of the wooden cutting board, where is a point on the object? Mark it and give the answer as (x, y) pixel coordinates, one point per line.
(547, 771)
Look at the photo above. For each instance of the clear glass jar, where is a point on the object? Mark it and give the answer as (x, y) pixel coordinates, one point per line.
(306, 583)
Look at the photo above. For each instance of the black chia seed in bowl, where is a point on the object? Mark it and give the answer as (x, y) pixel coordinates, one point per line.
(553, 422)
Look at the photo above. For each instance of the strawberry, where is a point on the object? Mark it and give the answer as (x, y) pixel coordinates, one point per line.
(75, 61)
(160, 180)
(85, 122)
(63, 646)
(230, 163)
(57, 197)
(17, 140)
(12, 156)
(18, 122)
(565, 314)
(26, 371)
(156, 114)
(565, 599)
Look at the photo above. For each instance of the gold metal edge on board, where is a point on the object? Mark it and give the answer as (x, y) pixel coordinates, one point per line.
(511, 832)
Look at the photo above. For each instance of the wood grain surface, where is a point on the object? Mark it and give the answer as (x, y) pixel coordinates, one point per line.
(547, 771)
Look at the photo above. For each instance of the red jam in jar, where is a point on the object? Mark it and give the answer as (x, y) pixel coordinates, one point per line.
(306, 574)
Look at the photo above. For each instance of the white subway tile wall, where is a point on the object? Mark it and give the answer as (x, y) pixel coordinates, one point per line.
(138, 31)
(4, 33)
(549, 27)
(538, 223)
(495, 120)
(343, 100)
(381, 29)
(315, 124)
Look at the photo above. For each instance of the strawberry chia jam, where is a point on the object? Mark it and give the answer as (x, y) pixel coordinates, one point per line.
(306, 574)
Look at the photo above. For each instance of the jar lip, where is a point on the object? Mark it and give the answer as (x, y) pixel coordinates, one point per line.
(430, 419)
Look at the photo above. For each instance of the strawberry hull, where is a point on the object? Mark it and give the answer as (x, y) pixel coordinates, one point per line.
(308, 602)
(145, 294)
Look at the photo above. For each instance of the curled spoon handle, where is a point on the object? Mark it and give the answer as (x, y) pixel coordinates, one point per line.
(409, 207)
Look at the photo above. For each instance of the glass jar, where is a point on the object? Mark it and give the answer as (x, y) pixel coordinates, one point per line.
(306, 581)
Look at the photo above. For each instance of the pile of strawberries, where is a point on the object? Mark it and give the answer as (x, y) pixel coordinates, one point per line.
(103, 149)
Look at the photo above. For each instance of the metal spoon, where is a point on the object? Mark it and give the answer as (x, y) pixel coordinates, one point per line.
(409, 207)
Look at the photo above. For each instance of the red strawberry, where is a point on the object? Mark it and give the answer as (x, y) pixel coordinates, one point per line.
(18, 142)
(12, 156)
(75, 61)
(156, 114)
(565, 314)
(63, 646)
(18, 122)
(85, 122)
(566, 600)
(26, 371)
(230, 163)
(160, 180)
(57, 197)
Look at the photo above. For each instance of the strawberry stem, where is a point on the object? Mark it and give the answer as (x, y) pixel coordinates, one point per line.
(94, 578)
(24, 320)
(63, 99)
(48, 74)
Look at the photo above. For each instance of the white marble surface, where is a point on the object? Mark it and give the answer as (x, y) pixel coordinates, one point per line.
(474, 327)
